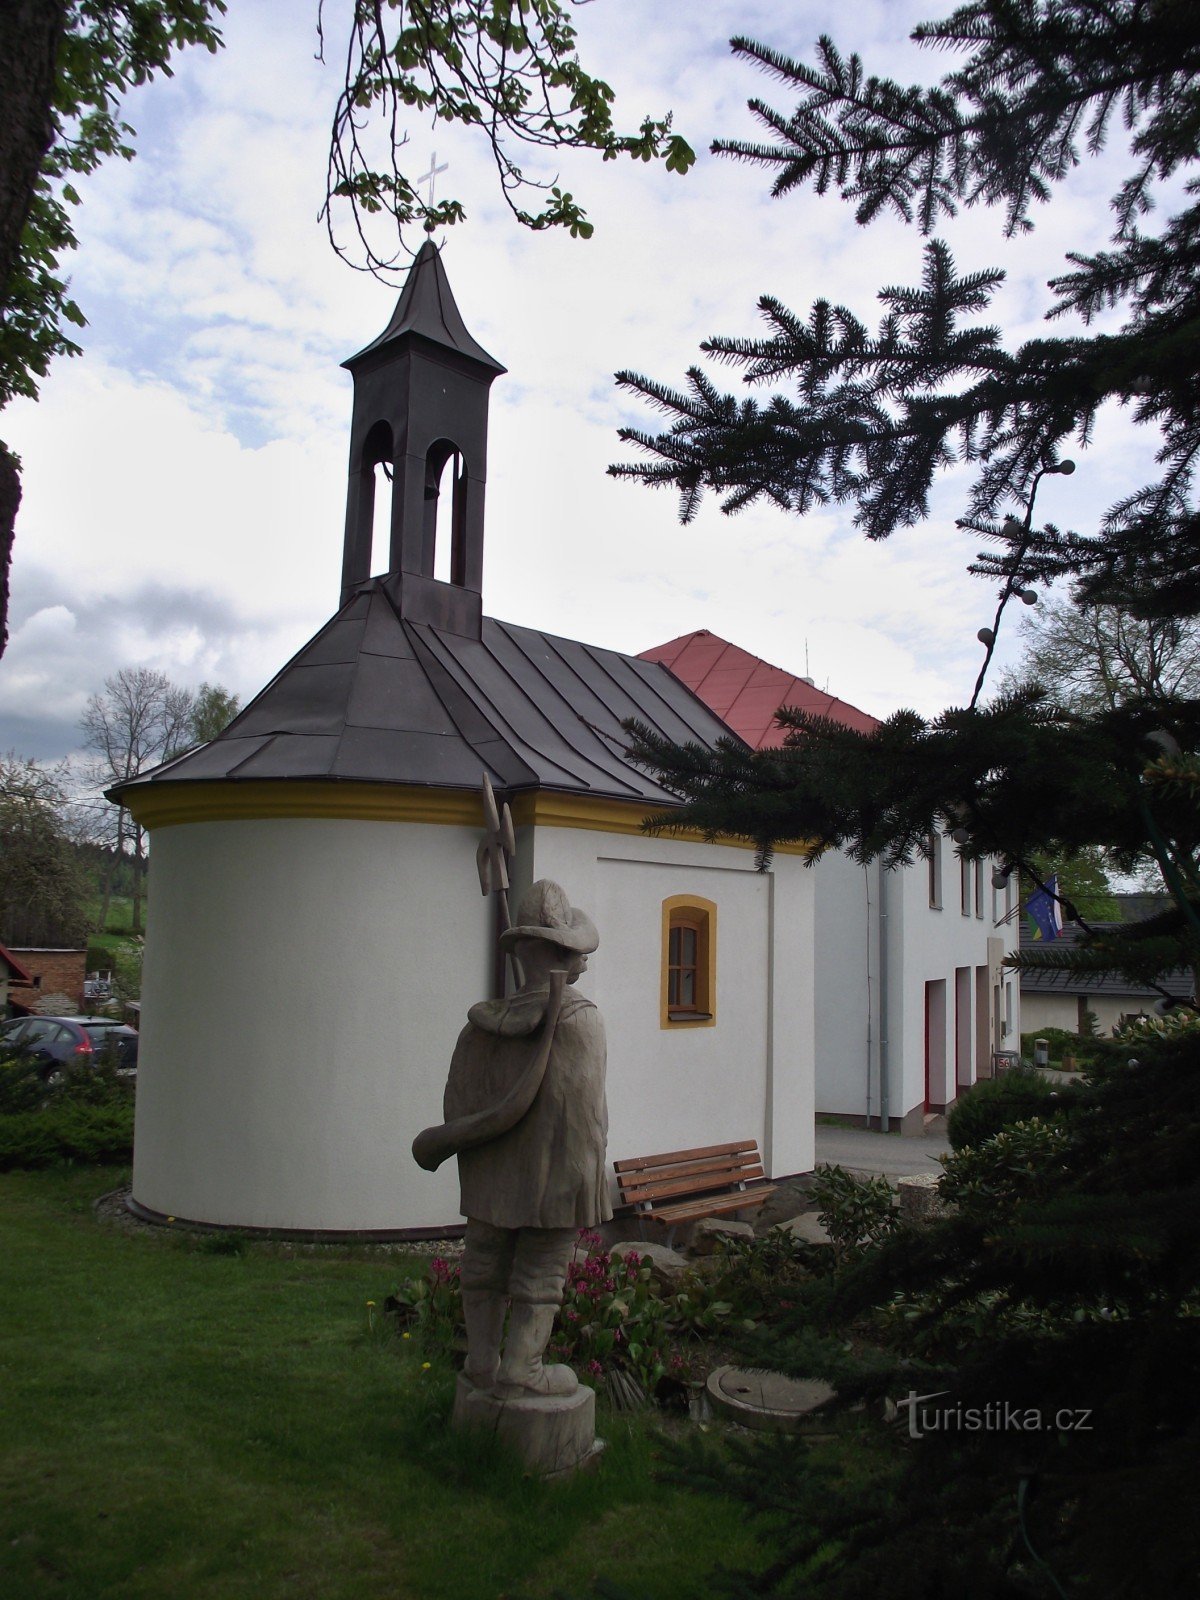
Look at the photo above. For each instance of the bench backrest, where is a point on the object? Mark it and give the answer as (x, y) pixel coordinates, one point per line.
(674, 1173)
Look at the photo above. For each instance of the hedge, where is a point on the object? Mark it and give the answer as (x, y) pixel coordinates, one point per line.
(995, 1103)
(88, 1134)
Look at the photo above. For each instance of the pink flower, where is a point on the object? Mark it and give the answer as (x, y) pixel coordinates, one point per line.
(595, 1369)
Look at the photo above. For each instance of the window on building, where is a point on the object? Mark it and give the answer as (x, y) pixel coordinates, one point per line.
(964, 885)
(683, 965)
(688, 961)
(934, 843)
(979, 889)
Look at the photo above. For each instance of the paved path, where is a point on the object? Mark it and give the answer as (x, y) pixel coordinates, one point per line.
(889, 1153)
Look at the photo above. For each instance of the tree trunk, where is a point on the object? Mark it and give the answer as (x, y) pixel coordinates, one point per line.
(106, 879)
(10, 499)
(139, 873)
(30, 34)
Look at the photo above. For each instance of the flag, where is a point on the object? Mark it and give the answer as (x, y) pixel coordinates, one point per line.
(1044, 911)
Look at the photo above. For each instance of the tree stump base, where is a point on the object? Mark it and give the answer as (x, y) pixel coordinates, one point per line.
(554, 1435)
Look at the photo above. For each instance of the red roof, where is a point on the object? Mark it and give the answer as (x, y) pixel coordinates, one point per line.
(746, 692)
(20, 973)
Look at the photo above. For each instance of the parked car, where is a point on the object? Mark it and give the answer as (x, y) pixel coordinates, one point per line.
(70, 1041)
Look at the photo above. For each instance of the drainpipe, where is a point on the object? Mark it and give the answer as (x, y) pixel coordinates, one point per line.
(870, 994)
(884, 1097)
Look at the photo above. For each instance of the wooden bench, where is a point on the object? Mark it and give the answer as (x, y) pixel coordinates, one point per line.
(682, 1185)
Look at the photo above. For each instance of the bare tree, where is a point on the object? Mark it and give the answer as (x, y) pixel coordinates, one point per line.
(42, 884)
(140, 719)
(1095, 658)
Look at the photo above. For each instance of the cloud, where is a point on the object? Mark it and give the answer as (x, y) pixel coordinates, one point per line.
(185, 481)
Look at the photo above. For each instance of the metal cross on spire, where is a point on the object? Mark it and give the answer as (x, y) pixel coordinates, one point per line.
(431, 176)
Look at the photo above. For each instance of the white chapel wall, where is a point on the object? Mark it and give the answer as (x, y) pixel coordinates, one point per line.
(305, 981)
(750, 1075)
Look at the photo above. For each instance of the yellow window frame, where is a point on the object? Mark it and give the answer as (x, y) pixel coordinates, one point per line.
(690, 910)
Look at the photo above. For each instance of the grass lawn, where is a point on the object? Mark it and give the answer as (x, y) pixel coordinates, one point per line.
(119, 920)
(181, 1422)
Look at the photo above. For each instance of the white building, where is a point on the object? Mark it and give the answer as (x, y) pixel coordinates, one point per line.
(316, 932)
(904, 1021)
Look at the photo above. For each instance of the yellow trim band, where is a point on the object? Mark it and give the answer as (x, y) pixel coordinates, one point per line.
(169, 805)
(550, 810)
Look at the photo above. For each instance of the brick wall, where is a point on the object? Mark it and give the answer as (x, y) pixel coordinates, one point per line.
(60, 972)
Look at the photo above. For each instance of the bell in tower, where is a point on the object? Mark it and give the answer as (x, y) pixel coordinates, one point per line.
(421, 409)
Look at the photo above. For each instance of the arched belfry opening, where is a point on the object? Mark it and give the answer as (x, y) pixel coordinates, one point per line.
(445, 512)
(420, 412)
(375, 495)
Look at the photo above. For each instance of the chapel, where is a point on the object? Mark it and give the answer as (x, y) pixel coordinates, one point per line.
(316, 933)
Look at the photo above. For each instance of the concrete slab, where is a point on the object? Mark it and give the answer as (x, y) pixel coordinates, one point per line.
(766, 1400)
(889, 1154)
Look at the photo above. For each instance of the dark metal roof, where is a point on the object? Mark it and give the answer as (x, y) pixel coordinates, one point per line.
(378, 699)
(1134, 908)
(427, 307)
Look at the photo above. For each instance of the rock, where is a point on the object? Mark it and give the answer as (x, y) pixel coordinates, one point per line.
(808, 1227)
(709, 1231)
(919, 1197)
(667, 1266)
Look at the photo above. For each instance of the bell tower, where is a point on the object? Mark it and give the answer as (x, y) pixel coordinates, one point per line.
(421, 409)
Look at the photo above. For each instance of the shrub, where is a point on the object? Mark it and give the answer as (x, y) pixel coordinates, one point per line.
(613, 1327)
(611, 1317)
(430, 1305)
(1177, 1023)
(1061, 1042)
(994, 1104)
(98, 1082)
(66, 1132)
(1024, 1161)
(22, 1084)
(856, 1212)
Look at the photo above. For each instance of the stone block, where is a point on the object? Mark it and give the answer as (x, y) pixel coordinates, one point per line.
(808, 1227)
(552, 1434)
(708, 1232)
(667, 1266)
(919, 1197)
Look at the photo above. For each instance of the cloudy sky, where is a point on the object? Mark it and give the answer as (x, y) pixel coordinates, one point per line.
(185, 478)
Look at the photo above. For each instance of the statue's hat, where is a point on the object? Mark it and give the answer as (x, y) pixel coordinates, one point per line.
(545, 912)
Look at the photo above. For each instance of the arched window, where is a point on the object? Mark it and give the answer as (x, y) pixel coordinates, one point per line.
(689, 962)
(445, 507)
(376, 496)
